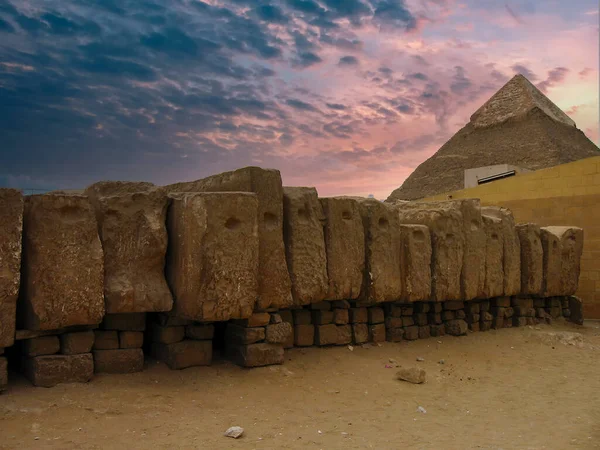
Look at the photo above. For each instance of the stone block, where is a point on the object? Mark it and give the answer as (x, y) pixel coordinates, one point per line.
(408, 321)
(169, 320)
(77, 343)
(287, 316)
(302, 317)
(125, 360)
(532, 258)
(212, 263)
(200, 332)
(359, 315)
(422, 307)
(236, 335)
(460, 314)
(131, 223)
(345, 244)
(376, 315)
(43, 345)
(256, 355)
(474, 327)
(3, 373)
(275, 318)
(393, 322)
(522, 302)
(344, 334)
(411, 333)
(256, 320)
(341, 316)
(131, 339)
(498, 322)
(494, 256)
(393, 310)
(486, 317)
(186, 353)
(485, 325)
(167, 335)
(304, 335)
(278, 333)
(524, 312)
(421, 319)
(382, 280)
(340, 304)
(448, 315)
(129, 322)
(394, 334)
(11, 229)
(519, 321)
(456, 327)
(407, 310)
(305, 244)
(63, 263)
(564, 302)
(415, 257)
(437, 307)
(50, 370)
(106, 340)
(445, 223)
(511, 259)
(473, 308)
(437, 330)
(484, 306)
(473, 318)
(551, 284)
(424, 332)
(322, 317)
(274, 285)
(453, 306)
(377, 332)
(434, 319)
(501, 302)
(326, 334)
(571, 248)
(576, 308)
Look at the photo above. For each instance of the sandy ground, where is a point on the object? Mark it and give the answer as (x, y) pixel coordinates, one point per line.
(527, 388)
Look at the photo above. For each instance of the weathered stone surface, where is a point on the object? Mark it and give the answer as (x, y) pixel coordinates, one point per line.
(345, 244)
(340, 304)
(344, 334)
(421, 319)
(200, 332)
(408, 321)
(170, 320)
(341, 316)
(393, 322)
(106, 340)
(77, 343)
(494, 256)
(411, 333)
(322, 317)
(360, 333)
(359, 315)
(447, 315)
(3, 373)
(131, 223)
(424, 332)
(274, 285)
(382, 281)
(551, 284)
(127, 322)
(257, 355)
(394, 334)
(460, 314)
(304, 335)
(278, 333)
(413, 375)
(306, 255)
(50, 370)
(131, 339)
(126, 360)
(456, 327)
(302, 317)
(376, 315)
(576, 308)
(234, 334)
(438, 330)
(11, 228)
(511, 248)
(571, 248)
(43, 345)
(167, 335)
(184, 354)
(415, 263)
(326, 334)
(445, 223)
(255, 320)
(212, 263)
(377, 332)
(453, 305)
(63, 275)
(532, 257)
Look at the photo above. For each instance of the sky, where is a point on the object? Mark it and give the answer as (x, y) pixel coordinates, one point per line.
(349, 96)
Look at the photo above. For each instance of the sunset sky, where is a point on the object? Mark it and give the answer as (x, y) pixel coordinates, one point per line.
(345, 95)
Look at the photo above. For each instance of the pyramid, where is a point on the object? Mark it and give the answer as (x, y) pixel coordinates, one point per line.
(518, 126)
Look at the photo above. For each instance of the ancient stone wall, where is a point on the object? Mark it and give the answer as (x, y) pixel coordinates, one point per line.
(236, 266)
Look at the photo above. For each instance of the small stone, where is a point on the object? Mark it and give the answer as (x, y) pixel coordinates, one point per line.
(420, 359)
(421, 410)
(413, 375)
(441, 361)
(234, 432)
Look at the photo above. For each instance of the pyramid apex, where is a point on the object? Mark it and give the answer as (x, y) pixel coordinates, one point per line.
(516, 98)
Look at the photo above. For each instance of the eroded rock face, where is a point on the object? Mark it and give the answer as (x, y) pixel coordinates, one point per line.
(212, 262)
(345, 243)
(562, 259)
(305, 244)
(382, 275)
(11, 227)
(274, 280)
(131, 223)
(445, 223)
(63, 273)
(415, 262)
(532, 256)
(511, 248)
(494, 254)
(551, 284)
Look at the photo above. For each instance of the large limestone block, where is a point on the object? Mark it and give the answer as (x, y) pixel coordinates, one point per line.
(511, 248)
(11, 228)
(128, 360)
(494, 255)
(184, 354)
(532, 256)
(212, 263)
(382, 281)
(415, 263)
(571, 243)
(131, 222)
(274, 280)
(305, 244)
(345, 243)
(48, 371)
(552, 278)
(445, 223)
(63, 273)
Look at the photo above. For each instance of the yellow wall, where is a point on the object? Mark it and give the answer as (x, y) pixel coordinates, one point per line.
(568, 194)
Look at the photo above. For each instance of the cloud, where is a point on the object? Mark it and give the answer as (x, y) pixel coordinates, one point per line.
(348, 61)
(523, 70)
(555, 76)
